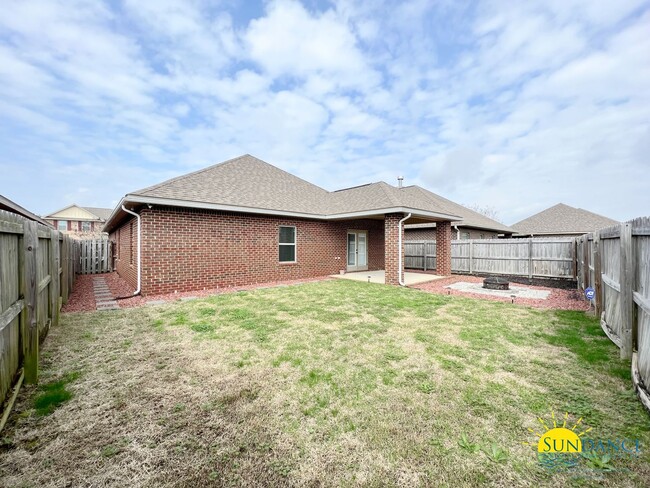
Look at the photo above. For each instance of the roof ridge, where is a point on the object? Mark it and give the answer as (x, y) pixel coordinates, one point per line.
(183, 176)
(351, 187)
(383, 185)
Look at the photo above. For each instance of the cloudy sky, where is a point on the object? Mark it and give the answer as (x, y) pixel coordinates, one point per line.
(512, 105)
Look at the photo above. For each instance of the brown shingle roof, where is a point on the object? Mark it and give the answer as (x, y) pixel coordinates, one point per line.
(102, 213)
(470, 217)
(243, 182)
(562, 219)
(250, 183)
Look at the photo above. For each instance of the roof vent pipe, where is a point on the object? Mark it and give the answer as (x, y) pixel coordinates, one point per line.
(400, 181)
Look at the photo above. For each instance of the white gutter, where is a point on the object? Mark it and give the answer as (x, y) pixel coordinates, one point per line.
(400, 279)
(457, 232)
(137, 291)
(232, 208)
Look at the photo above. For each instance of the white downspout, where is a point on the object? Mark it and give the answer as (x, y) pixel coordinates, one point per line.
(136, 292)
(457, 232)
(400, 279)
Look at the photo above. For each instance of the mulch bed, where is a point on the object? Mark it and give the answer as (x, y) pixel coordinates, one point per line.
(82, 298)
(558, 299)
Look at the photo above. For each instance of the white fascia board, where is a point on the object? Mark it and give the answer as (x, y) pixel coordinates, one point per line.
(280, 213)
(216, 206)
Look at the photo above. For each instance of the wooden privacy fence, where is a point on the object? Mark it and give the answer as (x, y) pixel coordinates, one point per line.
(615, 262)
(37, 271)
(95, 256)
(420, 255)
(534, 257)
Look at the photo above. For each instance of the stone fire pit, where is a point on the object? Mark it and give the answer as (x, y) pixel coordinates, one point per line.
(496, 283)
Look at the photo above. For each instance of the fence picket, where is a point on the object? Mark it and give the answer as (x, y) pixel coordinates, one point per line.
(94, 256)
(536, 257)
(34, 276)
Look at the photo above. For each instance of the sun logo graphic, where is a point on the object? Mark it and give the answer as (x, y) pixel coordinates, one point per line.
(559, 445)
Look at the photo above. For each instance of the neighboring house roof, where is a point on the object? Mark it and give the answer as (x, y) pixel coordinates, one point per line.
(562, 219)
(470, 218)
(76, 212)
(248, 184)
(102, 213)
(6, 204)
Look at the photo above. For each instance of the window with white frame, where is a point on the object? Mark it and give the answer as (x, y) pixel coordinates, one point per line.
(287, 244)
(62, 225)
(85, 226)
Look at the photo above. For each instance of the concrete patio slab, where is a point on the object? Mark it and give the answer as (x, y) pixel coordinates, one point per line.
(380, 277)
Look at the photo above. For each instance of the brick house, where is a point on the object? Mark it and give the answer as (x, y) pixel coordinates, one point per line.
(245, 221)
(79, 220)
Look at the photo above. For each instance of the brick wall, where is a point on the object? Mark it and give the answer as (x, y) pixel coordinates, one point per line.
(391, 240)
(427, 234)
(187, 249)
(125, 239)
(443, 248)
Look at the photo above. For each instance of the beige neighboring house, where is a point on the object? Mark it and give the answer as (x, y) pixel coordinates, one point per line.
(561, 221)
(79, 220)
(473, 226)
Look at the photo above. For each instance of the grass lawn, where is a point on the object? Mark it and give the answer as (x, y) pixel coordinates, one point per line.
(334, 383)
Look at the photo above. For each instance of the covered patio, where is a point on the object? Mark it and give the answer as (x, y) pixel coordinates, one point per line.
(379, 276)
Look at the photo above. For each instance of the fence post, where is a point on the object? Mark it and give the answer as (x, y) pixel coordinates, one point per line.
(29, 324)
(424, 253)
(626, 281)
(54, 277)
(598, 277)
(64, 269)
(574, 257)
(530, 258)
(471, 257)
(585, 258)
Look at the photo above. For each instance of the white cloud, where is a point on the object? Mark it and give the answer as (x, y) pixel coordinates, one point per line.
(512, 105)
(291, 42)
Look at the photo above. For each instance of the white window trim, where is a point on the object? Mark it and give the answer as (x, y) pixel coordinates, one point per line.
(295, 244)
(58, 225)
(86, 223)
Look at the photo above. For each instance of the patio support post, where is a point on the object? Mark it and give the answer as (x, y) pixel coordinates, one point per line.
(443, 248)
(391, 247)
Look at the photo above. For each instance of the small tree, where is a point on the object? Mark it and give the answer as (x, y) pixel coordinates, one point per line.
(487, 210)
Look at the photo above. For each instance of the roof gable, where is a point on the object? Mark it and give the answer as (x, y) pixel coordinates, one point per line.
(563, 219)
(72, 212)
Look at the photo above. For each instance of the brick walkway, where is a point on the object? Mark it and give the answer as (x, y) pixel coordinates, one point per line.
(103, 296)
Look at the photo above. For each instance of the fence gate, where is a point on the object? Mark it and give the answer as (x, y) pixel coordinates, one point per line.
(95, 256)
